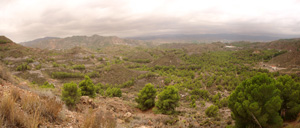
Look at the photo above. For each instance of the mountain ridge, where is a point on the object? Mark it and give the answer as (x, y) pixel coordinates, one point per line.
(211, 37)
(94, 42)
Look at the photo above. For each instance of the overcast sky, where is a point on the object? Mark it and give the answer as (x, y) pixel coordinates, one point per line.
(24, 20)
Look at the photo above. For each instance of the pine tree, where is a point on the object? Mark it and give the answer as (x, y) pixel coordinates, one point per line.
(87, 87)
(146, 97)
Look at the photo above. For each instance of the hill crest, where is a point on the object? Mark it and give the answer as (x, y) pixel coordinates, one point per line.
(94, 42)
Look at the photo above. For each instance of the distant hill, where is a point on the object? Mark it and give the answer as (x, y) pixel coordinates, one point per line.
(289, 59)
(284, 44)
(93, 42)
(178, 38)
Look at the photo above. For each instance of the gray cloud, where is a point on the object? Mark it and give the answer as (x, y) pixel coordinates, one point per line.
(23, 20)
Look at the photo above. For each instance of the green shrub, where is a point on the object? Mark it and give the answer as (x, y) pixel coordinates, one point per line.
(99, 89)
(29, 60)
(134, 66)
(87, 87)
(147, 75)
(223, 102)
(114, 92)
(38, 67)
(47, 85)
(201, 93)
(70, 94)
(141, 60)
(128, 83)
(3, 41)
(216, 97)
(167, 80)
(23, 67)
(168, 100)
(212, 111)
(100, 59)
(78, 67)
(55, 64)
(62, 75)
(146, 97)
(193, 103)
(93, 74)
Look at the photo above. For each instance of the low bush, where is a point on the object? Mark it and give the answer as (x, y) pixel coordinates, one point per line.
(147, 75)
(70, 94)
(146, 97)
(99, 89)
(93, 74)
(167, 81)
(29, 60)
(193, 103)
(78, 67)
(128, 83)
(3, 41)
(38, 67)
(100, 59)
(114, 92)
(55, 64)
(212, 111)
(62, 75)
(47, 85)
(23, 67)
(201, 93)
(141, 60)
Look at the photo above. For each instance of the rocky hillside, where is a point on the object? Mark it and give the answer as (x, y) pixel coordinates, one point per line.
(93, 42)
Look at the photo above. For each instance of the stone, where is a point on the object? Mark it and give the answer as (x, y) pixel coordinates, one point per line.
(150, 122)
(127, 115)
(119, 121)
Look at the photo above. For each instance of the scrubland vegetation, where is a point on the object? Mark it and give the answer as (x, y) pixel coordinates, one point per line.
(176, 86)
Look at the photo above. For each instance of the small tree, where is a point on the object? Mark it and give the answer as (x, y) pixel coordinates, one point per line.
(87, 87)
(212, 111)
(70, 94)
(168, 100)
(256, 102)
(146, 97)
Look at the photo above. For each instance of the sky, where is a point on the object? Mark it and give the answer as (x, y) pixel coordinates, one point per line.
(25, 20)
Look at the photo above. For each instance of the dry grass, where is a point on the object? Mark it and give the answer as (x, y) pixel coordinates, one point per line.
(100, 119)
(30, 103)
(7, 109)
(32, 111)
(11, 116)
(5, 75)
(47, 107)
(51, 109)
(89, 119)
(15, 94)
(1, 122)
(34, 120)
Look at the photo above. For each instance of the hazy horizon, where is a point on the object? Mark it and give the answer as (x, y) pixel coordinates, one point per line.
(23, 20)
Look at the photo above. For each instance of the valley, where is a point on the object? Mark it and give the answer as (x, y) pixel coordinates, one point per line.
(205, 75)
